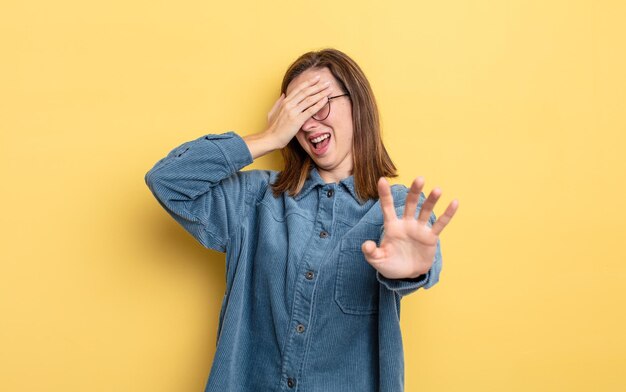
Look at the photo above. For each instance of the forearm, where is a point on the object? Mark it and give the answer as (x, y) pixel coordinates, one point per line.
(192, 168)
(201, 185)
(261, 144)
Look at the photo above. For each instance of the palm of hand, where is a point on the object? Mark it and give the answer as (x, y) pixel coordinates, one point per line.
(409, 244)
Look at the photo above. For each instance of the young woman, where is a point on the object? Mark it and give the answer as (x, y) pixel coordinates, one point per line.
(318, 255)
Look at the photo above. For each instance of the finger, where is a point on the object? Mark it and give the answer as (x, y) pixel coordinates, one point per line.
(303, 101)
(276, 104)
(372, 253)
(307, 88)
(306, 94)
(315, 108)
(307, 83)
(429, 204)
(386, 200)
(444, 219)
(320, 98)
(413, 197)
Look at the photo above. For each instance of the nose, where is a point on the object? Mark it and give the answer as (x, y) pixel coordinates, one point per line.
(310, 124)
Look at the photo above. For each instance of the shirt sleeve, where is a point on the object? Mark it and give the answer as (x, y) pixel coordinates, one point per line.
(407, 286)
(199, 183)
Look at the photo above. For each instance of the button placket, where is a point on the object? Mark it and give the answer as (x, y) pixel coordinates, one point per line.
(296, 346)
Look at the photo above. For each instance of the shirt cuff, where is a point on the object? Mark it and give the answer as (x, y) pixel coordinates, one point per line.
(404, 286)
(234, 149)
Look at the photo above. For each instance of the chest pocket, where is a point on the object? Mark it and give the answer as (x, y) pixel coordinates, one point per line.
(356, 286)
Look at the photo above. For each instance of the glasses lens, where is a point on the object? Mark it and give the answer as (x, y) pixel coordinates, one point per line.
(323, 112)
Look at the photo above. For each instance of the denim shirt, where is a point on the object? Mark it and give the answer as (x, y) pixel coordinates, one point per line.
(302, 310)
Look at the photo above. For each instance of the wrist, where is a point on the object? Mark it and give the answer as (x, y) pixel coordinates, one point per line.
(261, 143)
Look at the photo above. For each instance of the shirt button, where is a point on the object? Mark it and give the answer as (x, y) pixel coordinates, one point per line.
(323, 234)
(330, 193)
(300, 328)
(309, 275)
(291, 382)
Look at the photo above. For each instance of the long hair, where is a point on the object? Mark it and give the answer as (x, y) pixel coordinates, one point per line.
(370, 158)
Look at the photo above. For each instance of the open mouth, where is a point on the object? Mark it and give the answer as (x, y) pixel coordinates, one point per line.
(320, 142)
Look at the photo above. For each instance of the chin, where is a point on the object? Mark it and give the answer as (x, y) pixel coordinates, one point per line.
(324, 163)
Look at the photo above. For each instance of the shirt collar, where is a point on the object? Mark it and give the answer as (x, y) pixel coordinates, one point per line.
(315, 179)
(311, 182)
(348, 183)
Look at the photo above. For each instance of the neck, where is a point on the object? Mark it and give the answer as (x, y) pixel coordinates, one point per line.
(335, 175)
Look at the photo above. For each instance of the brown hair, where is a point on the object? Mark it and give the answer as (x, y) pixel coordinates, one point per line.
(370, 158)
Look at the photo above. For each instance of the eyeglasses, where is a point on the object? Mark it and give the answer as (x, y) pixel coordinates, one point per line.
(323, 113)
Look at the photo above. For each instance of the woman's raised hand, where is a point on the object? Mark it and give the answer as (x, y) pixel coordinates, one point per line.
(287, 116)
(289, 112)
(409, 245)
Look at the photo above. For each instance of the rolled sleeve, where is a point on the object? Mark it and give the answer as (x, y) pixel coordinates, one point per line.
(201, 186)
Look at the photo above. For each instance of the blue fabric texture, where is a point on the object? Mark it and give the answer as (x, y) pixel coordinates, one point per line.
(303, 310)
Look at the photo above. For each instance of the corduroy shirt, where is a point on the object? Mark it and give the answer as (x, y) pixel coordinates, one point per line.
(302, 310)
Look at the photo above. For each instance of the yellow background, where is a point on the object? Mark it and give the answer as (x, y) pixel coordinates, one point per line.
(516, 108)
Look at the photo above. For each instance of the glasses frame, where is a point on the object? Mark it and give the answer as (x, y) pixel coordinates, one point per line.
(329, 107)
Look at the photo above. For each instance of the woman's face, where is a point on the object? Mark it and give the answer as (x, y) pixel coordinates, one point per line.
(333, 156)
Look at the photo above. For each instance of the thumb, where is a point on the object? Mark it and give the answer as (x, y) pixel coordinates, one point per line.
(276, 104)
(371, 252)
